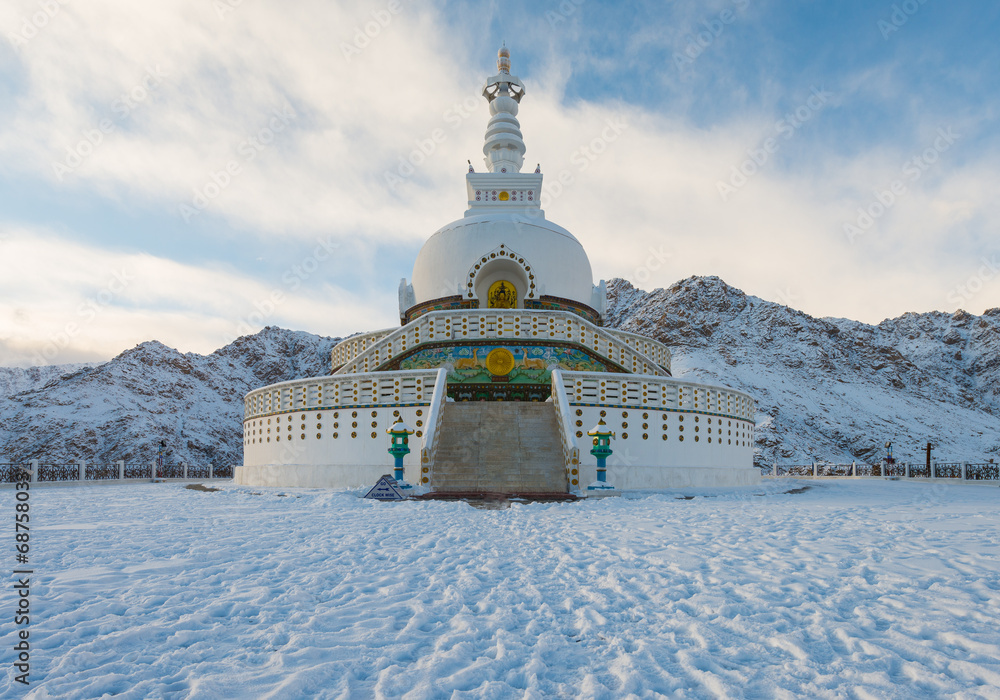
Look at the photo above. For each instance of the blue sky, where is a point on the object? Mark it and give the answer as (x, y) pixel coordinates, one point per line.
(840, 158)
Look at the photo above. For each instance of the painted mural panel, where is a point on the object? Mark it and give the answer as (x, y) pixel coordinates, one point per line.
(472, 364)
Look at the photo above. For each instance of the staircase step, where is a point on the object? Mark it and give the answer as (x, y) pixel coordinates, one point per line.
(500, 447)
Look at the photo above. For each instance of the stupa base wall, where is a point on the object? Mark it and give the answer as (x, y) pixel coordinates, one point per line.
(634, 477)
(313, 475)
(330, 432)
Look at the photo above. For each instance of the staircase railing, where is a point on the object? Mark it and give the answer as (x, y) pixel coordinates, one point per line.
(570, 451)
(434, 415)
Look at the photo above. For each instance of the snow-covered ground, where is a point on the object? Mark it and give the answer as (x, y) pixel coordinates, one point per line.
(850, 589)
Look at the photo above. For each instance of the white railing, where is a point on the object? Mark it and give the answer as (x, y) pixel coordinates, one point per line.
(636, 391)
(653, 349)
(408, 386)
(515, 325)
(349, 349)
(435, 413)
(346, 350)
(571, 453)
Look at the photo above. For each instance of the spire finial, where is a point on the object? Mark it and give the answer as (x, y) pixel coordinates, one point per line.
(504, 147)
(503, 59)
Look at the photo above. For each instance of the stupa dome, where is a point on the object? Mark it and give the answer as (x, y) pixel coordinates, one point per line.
(540, 258)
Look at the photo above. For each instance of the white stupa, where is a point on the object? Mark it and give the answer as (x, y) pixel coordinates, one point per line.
(500, 361)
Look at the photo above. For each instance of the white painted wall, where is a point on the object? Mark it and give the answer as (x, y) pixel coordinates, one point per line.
(325, 460)
(655, 463)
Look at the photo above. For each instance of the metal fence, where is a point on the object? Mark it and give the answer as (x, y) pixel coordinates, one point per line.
(100, 472)
(43, 472)
(959, 471)
(896, 469)
(58, 472)
(868, 470)
(982, 472)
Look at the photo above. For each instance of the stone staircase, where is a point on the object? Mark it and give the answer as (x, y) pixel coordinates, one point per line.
(505, 447)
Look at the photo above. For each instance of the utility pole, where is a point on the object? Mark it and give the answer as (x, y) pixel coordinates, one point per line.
(930, 446)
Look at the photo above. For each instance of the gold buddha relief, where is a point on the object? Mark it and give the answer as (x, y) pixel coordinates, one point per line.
(502, 295)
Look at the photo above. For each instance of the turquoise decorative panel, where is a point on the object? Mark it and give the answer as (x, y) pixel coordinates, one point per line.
(533, 364)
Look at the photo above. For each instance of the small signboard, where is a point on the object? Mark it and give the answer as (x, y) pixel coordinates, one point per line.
(386, 489)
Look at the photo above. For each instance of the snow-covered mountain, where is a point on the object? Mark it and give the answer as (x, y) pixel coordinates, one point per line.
(14, 380)
(123, 408)
(830, 389)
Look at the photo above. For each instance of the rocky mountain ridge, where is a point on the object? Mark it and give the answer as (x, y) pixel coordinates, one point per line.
(122, 409)
(832, 389)
(829, 389)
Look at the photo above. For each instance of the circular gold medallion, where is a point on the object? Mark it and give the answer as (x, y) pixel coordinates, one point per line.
(504, 196)
(500, 362)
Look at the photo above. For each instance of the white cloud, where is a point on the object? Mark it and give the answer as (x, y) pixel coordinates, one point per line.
(67, 302)
(647, 207)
